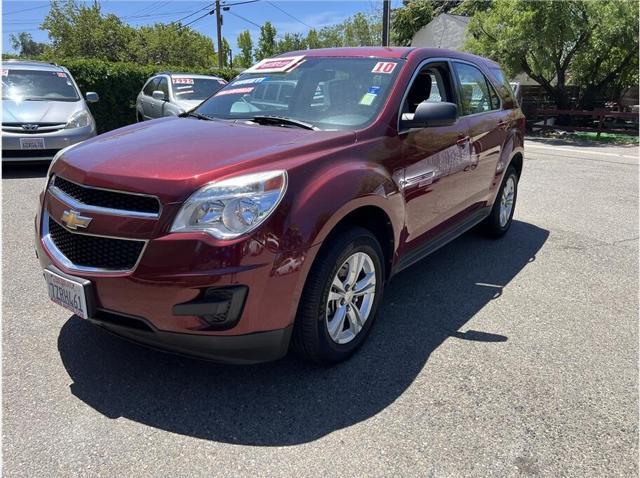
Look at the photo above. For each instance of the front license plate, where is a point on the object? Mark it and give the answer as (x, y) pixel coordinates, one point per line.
(31, 143)
(67, 293)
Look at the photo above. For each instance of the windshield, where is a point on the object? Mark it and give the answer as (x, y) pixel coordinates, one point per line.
(327, 93)
(34, 85)
(190, 89)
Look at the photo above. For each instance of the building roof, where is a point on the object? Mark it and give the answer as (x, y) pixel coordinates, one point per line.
(444, 31)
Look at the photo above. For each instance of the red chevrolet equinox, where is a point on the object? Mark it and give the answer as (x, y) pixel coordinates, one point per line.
(272, 215)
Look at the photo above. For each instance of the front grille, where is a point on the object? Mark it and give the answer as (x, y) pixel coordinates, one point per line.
(28, 153)
(108, 199)
(95, 252)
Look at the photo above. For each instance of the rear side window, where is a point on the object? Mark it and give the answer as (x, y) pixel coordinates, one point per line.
(477, 94)
(504, 87)
(150, 87)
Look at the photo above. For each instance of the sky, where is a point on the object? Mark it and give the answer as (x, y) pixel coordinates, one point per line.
(292, 16)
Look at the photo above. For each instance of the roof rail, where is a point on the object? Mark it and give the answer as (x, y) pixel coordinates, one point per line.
(20, 60)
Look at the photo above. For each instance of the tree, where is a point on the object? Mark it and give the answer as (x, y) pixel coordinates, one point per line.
(245, 58)
(171, 44)
(266, 42)
(291, 42)
(79, 30)
(24, 44)
(226, 53)
(312, 39)
(408, 19)
(592, 42)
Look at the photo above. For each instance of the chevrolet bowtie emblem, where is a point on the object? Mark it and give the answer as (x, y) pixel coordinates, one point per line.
(74, 220)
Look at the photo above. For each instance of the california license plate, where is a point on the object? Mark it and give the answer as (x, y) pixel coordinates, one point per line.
(31, 143)
(68, 293)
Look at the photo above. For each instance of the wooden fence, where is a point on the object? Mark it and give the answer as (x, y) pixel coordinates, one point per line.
(601, 121)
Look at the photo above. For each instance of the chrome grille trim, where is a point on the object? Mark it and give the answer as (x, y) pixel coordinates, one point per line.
(74, 203)
(66, 262)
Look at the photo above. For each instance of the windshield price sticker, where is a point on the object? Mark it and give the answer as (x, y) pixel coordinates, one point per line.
(235, 91)
(275, 65)
(250, 81)
(182, 81)
(5, 72)
(61, 74)
(386, 67)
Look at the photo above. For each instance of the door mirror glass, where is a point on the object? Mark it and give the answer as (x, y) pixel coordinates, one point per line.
(159, 95)
(432, 114)
(92, 97)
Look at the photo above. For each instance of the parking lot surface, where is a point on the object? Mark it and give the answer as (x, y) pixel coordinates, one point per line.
(516, 357)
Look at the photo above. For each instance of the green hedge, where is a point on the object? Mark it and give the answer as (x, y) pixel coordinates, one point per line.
(118, 85)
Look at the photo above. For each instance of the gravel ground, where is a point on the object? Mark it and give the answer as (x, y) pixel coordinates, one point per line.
(516, 357)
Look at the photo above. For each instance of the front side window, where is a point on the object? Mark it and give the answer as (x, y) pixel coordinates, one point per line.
(190, 89)
(35, 85)
(150, 87)
(432, 85)
(328, 93)
(477, 94)
(503, 85)
(163, 86)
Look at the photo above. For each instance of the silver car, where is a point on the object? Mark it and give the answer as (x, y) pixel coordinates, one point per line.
(170, 94)
(42, 111)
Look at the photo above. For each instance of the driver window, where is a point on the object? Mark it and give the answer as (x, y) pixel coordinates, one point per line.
(430, 85)
(164, 86)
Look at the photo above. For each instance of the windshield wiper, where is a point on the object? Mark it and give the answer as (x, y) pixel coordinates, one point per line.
(282, 120)
(196, 115)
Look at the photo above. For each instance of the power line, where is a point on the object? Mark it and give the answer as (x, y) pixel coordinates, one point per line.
(199, 18)
(245, 19)
(25, 10)
(288, 14)
(192, 14)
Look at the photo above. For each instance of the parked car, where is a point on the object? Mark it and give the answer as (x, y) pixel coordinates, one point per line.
(170, 94)
(42, 111)
(243, 228)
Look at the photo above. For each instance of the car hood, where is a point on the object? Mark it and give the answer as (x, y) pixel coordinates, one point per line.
(39, 111)
(171, 157)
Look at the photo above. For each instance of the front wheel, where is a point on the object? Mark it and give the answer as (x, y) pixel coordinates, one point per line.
(501, 216)
(340, 298)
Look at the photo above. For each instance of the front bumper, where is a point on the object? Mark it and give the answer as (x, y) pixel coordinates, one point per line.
(166, 300)
(53, 142)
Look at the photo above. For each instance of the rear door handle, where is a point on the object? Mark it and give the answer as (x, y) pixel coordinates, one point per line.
(503, 125)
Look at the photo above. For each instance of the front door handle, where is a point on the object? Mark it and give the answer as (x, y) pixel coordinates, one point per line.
(462, 141)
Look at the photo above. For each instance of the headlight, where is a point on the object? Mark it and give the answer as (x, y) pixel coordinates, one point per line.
(79, 120)
(230, 208)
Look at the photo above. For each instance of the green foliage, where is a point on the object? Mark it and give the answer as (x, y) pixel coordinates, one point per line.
(266, 42)
(592, 43)
(407, 20)
(245, 58)
(118, 85)
(170, 44)
(291, 42)
(79, 30)
(26, 47)
(357, 30)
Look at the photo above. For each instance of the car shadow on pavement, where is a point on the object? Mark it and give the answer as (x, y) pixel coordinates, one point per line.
(290, 402)
(36, 169)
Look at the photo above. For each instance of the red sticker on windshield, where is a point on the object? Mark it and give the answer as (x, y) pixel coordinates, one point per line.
(61, 74)
(235, 91)
(384, 67)
(182, 81)
(5, 72)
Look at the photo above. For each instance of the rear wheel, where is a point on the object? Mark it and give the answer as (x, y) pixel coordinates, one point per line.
(340, 298)
(501, 216)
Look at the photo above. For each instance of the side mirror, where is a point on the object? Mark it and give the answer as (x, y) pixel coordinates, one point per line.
(432, 114)
(159, 95)
(92, 97)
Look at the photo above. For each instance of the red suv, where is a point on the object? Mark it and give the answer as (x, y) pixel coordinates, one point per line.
(273, 214)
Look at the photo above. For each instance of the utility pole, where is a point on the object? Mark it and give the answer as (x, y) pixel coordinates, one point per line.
(386, 20)
(219, 28)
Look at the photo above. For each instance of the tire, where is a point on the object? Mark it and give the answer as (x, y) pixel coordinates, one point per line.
(312, 339)
(495, 225)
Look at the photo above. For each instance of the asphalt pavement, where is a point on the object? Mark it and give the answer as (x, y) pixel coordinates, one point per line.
(515, 357)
